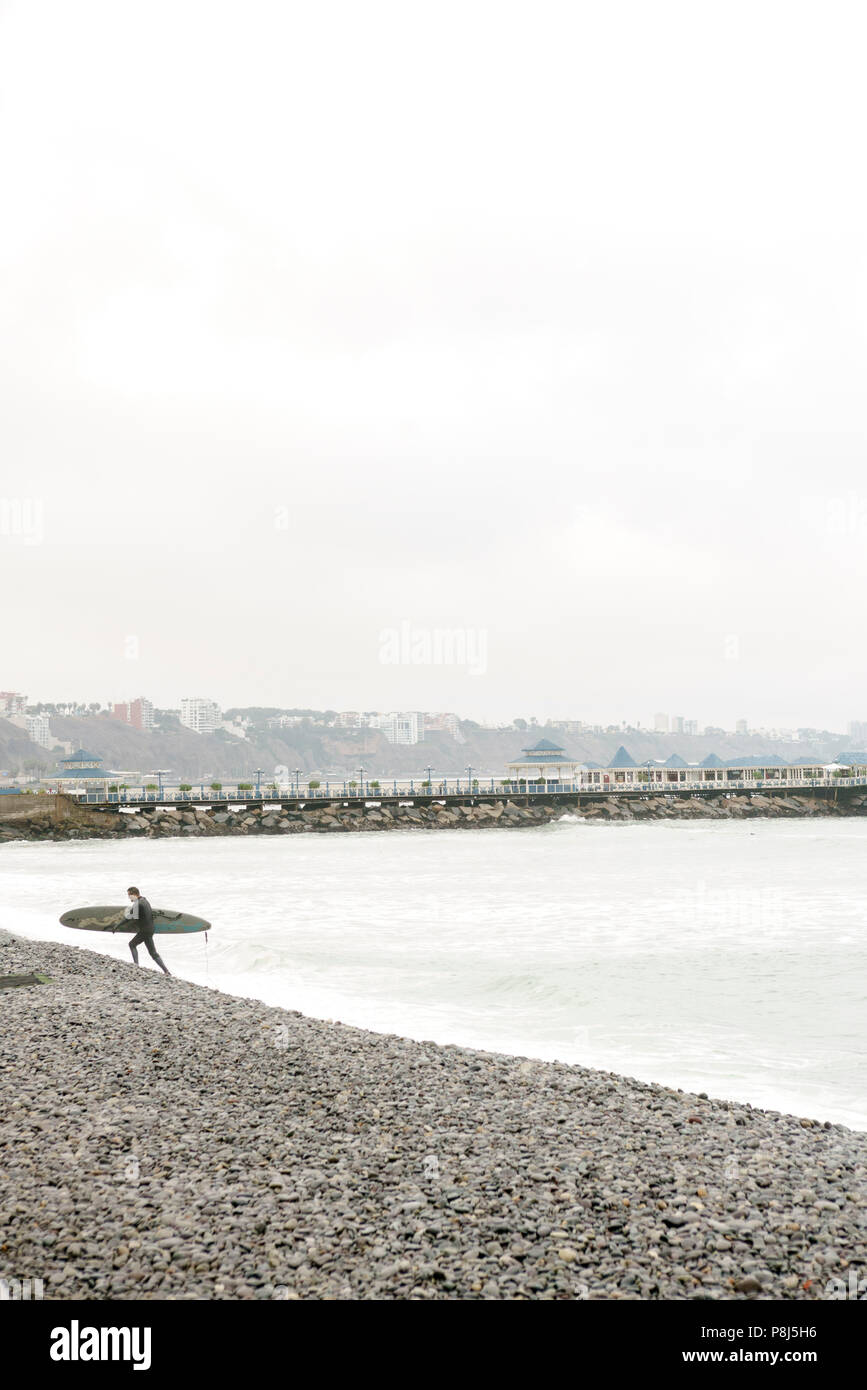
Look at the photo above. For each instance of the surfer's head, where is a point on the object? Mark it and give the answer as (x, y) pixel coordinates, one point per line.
(133, 892)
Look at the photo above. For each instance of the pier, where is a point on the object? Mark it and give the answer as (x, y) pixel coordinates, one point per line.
(462, 791)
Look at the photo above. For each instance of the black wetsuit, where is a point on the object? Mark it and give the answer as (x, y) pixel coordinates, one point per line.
(145, 934)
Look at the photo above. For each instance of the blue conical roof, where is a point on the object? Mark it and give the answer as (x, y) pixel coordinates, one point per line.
(622, 759)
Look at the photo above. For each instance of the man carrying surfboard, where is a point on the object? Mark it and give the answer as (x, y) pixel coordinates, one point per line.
(140, 911)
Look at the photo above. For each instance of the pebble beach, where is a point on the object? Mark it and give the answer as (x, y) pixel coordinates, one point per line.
(162, 1140)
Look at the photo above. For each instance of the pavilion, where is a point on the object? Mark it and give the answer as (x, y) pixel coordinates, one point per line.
(82, 768)
(544, 762)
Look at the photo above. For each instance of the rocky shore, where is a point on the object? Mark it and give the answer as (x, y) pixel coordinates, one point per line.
(160, 1140)
(60, 817)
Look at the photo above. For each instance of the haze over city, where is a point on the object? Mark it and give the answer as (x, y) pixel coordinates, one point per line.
(569, 360)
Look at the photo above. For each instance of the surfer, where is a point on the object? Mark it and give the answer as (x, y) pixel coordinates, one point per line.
(140, 911)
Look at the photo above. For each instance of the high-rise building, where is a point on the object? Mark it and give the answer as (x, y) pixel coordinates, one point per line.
(856, 729)
(741, 727)
(12, 703)
(39, 730)
(566, 726)
(200, 714)
(690, 726)
(677, 724)
(399, 727)
(446, 723)
(660, 723)
(139, 713)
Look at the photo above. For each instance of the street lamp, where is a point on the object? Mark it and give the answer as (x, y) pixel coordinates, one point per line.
(361, 779)
(429, 771)
(258, 772)
(160, 773)
(297, 775)
(469, 778)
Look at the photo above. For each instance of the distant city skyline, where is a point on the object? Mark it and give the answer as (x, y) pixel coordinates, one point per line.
(203, 714)
(164, 695)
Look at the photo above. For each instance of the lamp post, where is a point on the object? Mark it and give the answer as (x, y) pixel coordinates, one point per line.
(429, 771)
(258, 772)
(297, 775)
(160, 773)
(361, 779)
(469, 779)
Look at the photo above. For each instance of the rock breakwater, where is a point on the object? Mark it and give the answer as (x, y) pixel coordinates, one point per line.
(54, 818)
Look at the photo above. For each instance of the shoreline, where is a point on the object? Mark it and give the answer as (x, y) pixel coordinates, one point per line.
(193, 1144)
(62, 818)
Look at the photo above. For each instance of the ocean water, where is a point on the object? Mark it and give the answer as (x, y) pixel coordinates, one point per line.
(721, 957)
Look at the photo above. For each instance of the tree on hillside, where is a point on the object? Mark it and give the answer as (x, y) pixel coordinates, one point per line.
(257, 714)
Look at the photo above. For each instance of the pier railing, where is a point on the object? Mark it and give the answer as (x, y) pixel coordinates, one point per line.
(461, 788)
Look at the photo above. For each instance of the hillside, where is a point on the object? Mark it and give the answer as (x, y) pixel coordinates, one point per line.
(338, 753)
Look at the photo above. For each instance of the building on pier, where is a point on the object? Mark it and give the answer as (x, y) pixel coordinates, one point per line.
(81, 769)
(622, 759)
(545, 762)
(714, 773)
(548, 764)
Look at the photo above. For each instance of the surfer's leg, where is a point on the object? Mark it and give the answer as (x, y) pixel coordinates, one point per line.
(136, 941)
(149, 942)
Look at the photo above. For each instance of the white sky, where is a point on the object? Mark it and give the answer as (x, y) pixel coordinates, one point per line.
(541, 321)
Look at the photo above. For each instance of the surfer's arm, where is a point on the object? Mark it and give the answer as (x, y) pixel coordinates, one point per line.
(130, 914)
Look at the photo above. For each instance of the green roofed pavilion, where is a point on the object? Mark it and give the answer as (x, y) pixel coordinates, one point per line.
(544, 762)
(82, 766)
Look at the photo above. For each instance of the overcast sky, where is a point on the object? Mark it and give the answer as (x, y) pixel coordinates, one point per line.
(539, 323)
